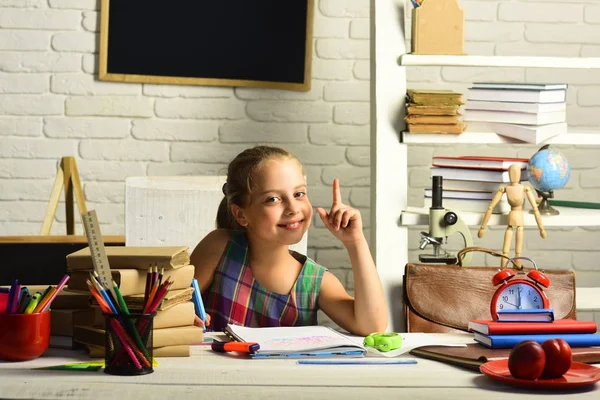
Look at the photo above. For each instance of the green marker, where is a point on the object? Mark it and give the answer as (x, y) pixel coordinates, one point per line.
(33, 303)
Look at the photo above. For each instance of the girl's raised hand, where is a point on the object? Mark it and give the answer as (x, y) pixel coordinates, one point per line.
(343, 221)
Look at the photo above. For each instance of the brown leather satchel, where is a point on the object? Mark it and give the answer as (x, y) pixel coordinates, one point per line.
(442, 298)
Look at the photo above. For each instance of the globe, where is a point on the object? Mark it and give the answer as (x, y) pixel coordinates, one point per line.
(548, 170)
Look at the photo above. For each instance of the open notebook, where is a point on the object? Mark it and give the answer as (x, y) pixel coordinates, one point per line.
(297, 341)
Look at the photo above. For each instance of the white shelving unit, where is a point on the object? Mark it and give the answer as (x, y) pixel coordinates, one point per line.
(573, 138)
(568, 217)
(390, 216)
(499, 61)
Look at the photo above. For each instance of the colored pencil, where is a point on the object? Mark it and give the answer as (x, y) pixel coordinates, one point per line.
(59, 287)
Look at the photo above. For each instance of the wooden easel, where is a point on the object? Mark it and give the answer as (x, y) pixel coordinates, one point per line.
(67, 177)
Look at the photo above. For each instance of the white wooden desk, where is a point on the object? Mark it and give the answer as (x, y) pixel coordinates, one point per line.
(208, 375)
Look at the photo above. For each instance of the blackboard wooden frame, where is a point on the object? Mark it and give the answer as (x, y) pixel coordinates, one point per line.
(105, 75)
(42, 260)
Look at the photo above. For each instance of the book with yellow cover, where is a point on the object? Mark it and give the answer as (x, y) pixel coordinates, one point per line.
(434, 128)
(133, 257)
(434, 97)
(432, 110)
(171, 299)
(62, 321)
(133, 281)
(181, 350)
(432, 119)
(182, 314)
(181, 335)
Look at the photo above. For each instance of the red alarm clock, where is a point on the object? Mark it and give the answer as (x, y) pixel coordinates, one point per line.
(519, 294)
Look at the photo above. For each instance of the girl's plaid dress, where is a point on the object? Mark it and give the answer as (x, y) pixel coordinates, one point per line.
(235, 297)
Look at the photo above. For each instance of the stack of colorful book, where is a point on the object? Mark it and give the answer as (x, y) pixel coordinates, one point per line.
(434, 111)
(530, 112)
(135, 270)
(506, 332)
(471, 182)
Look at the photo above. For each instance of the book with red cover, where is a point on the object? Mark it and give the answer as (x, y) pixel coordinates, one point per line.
(494, 163)
(475, 174)
(517, 328)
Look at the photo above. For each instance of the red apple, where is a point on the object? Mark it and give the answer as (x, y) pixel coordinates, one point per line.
(527, 360)
(558, 358)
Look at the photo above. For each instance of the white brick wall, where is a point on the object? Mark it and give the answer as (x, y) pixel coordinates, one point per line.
(527, 27)
(52, 105)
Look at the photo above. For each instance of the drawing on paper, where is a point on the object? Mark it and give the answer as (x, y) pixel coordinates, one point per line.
(283, 342)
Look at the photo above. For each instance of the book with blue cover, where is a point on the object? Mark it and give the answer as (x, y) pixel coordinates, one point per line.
(509, 341)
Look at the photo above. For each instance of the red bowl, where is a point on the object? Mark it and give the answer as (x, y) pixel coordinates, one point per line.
(24, 336)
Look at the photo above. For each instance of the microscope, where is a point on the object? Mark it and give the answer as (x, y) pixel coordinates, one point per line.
(442, 224)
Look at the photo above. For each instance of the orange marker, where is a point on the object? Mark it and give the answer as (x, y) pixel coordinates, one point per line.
(241, 347)
(42, 304)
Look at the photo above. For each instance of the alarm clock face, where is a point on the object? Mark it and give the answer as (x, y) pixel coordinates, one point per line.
(519, 295)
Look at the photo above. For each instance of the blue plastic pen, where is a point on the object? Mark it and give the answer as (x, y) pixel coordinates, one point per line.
(356, 362)
(198, 304)
(24, 292)
(11, 296)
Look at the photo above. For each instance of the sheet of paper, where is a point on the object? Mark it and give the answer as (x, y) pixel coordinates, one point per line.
(292, 339)
(413, 340)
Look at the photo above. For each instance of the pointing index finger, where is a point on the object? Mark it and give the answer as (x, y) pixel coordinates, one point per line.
(337, 195)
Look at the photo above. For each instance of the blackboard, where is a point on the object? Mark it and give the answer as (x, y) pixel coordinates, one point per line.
(255, 43)
(41, 260)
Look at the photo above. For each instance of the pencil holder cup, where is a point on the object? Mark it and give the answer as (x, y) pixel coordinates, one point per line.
(128, 344)
(24, 336)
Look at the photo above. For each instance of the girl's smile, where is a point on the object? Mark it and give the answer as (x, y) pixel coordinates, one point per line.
(292, 226)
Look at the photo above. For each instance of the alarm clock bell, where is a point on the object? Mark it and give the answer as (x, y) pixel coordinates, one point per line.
(516, 293)
(443, 223)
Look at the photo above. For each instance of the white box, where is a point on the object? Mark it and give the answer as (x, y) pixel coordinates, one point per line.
(174, 210)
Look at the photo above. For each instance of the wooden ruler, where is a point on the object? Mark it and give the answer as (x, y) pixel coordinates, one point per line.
(97, 250)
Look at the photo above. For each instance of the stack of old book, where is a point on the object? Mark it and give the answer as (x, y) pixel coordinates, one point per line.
(530, 112)
(514, 326)
(471, 182)
(434, 111)
(174, 329)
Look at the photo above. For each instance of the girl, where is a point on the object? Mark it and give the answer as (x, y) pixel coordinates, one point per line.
(248, 275)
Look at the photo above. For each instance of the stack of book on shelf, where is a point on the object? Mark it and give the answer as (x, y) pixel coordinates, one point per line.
(434, 111)
(530, 112)
(514, 326)
(131, 267)
(470, 182)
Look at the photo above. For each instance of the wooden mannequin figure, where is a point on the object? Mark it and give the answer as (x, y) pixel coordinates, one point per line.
(515, 194)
